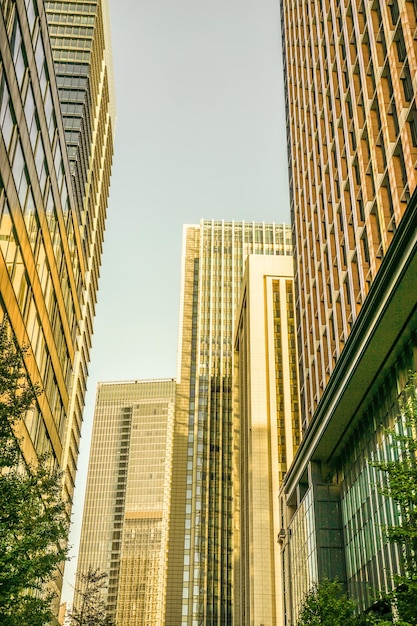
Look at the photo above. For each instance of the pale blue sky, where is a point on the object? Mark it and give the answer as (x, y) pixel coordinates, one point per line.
(200, 134)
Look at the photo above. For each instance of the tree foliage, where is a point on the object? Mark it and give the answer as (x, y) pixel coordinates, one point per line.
(326, 604)
(90, 609)
(33, 523)
(400, 475)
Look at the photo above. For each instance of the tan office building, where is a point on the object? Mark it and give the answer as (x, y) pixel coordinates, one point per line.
(268, 431)
(125, 521)
(202, 519)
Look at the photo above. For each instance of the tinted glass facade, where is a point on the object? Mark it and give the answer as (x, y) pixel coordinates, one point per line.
(201, 545)
(81, 48)
(48, 273)
(125, 521)
(41, 256)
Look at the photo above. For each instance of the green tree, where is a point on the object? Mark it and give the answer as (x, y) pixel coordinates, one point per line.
(33, 522)
(326, 604)
(91, 607)
(400, 480)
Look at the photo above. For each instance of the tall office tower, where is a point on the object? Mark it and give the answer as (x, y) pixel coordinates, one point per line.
(350, 68)
(41, 258)
(125, 521)
(268, 428)
(47, 276)
(40, 251)
(352, 141)
(81, 47)
(201, 548)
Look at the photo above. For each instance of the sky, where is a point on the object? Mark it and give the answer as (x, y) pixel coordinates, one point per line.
(200, 134)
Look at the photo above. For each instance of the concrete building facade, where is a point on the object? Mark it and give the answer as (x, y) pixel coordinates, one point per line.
(351, 105)
(351, 120)
(268, 432)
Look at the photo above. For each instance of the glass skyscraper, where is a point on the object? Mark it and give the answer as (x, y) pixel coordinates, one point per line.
(40, 259)
(202, 526)
(81, 45)
(125, 521)
(81, 48)
(50, 236)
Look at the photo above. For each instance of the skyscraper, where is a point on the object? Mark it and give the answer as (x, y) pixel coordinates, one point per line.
(41, 256)
(352, 145)
(268, 432)
(81, 48)
(125, 521)
(49, 246)
(351, 122)
(201, 546)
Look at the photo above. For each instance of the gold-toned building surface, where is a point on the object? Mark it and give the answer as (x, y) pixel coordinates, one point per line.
(41, 261)
(50, 239)
(202, 520)
(81, 48)
(350, 70)
(268, 429)
(125, 521)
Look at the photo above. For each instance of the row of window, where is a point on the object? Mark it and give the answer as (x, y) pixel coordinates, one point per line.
(71, 7)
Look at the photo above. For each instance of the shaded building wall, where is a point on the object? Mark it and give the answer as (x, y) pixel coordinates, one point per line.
(81, 48)
(313, 544)
(348, 433)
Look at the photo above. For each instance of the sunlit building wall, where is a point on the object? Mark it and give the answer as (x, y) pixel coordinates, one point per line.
(352, 145)
(41, 256)
(125, 520)
(42, 269)
(349, 69)
(268, 429)
(81, 47)
(202, 520)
